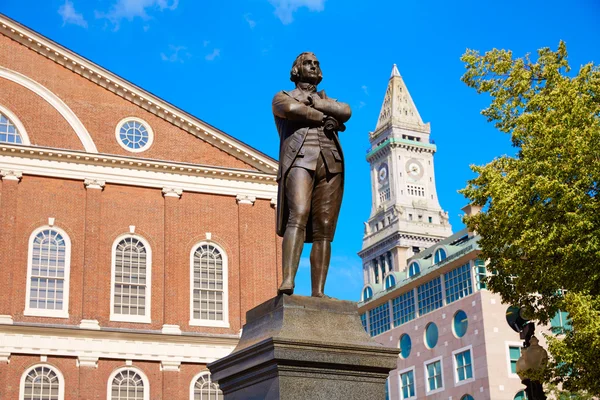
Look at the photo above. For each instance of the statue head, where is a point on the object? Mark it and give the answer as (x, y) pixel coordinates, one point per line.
(306, 69)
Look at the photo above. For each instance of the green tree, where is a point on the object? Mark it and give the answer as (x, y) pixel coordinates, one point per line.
(540, 227)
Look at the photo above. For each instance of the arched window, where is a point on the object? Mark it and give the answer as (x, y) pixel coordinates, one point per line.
(467, 397)
(390, 281)
(131, 279)
(48, 268)
(42, 382)
(128, 384)
(11, 129)
(367, 293)
(208, 286)
(440, 255)
(414, 269)
(204, 389)
(521, 395)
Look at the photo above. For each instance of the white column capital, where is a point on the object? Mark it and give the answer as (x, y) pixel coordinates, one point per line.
(170, 365)
(11, 175)
(92, 183)
(172, 192)
(245, 199)
(87, 361)
(4, 358)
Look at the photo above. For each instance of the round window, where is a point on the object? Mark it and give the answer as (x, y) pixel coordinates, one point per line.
(134, 135)
(467, 397)
(460, 323)
(431, 335)
(405, 346)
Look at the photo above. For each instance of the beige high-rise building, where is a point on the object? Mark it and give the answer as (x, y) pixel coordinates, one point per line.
(423, 290)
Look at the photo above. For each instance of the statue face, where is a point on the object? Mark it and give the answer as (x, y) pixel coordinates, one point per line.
(310, 69)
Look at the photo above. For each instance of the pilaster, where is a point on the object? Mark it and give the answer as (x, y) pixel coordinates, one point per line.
(9, 197)
(91, 269)
(173, 272)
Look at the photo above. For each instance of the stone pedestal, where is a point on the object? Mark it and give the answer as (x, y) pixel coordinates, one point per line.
(304, 348)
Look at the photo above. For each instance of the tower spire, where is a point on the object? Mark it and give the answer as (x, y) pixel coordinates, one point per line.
(398, 108)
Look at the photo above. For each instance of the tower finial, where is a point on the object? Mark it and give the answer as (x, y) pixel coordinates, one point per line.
(395, 71)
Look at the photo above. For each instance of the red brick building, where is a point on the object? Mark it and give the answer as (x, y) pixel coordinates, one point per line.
(134, 236)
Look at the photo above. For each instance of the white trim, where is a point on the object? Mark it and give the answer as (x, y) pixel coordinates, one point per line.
(425, 335)
(362, 295)
(55, 102)
(426, 376)
(416, 274)
(454, 366)
(61, 380)
(17, 123)
(148, 129)
(131, 171)
(138, 371)
(131, 318)
(400, 393)
(36, 312)
(203, 322)
(507, 346)
(134, 94)
(118, 345)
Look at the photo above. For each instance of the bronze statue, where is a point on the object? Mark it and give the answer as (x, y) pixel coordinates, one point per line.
(311, 172)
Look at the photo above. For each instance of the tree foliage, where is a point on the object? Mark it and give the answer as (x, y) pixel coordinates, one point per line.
(540, 228)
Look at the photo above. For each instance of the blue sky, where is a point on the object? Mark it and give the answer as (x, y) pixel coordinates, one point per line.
(223, 61)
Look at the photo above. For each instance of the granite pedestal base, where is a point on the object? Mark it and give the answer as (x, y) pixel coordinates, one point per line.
(304, 348)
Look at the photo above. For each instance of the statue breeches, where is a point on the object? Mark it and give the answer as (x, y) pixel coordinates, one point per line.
(315, 197)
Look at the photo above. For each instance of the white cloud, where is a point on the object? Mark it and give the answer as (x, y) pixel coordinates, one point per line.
(250, 21)
(178, 54)
(70, 16)
(216, 53)
(130, 9)
(361, 104)
(365, 89)
(284, 9)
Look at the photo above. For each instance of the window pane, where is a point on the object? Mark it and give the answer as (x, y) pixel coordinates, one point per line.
(48, 259)
(8, 131)
(430, 296)
(379, 319)
(208, 283)
(403, 308)
(130, 284)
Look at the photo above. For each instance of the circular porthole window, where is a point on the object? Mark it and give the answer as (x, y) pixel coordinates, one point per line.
(460, 323)
(405, 346)
(134, 134)
(431, 335)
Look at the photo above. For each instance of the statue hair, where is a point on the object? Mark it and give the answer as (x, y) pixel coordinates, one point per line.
(295, 73)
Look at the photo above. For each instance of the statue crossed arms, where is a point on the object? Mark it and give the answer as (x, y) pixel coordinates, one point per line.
(311, 172)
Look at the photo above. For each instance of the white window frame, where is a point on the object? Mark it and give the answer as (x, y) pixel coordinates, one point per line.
(38, 312)
(148, 129)
(18, 124)
(435, 252)
(195, 378)
(363, 292)
(426, 376)
(204, 322)
(61, 380)
(147, 318)
(455, 366)
(137, 371)
(400, 393)
(507, 346)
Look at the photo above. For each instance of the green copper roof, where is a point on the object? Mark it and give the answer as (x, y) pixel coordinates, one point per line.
(401, 141)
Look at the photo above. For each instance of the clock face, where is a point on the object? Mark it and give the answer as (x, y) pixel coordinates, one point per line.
(414, 169)
(382, 173)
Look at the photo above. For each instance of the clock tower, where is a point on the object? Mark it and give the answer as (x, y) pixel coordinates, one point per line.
(406, 216)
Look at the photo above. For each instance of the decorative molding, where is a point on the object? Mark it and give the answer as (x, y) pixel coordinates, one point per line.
(90, 324)
(43, 358)
(245, 199)
(4, 358)
(11, 175)
(87, 361)
(274, 202)
(6, 320)
(172, 192)
(170, 365)
(90, 183)
(131, 171)
(129, 363)
(171, 329)
(55, 102)
(135, 95)
(17, 123)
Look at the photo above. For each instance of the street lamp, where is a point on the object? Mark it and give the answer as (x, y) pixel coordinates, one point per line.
(534, 358)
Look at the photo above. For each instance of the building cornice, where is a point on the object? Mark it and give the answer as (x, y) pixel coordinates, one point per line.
(136, 95)
(136, 171)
